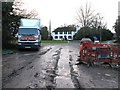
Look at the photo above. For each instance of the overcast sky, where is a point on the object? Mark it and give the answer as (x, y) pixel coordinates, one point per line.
(62, 12)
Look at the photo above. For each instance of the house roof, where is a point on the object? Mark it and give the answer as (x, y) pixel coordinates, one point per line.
(65, 29)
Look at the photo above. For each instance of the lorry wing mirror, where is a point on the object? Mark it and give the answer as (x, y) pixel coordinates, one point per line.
(40, 33)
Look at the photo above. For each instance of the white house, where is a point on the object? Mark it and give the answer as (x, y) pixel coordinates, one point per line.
(64, 32)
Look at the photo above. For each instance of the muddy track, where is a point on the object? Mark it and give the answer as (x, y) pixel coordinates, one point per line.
(17, 71)
(74, 74)
(49, 73)
(52, 72)
(55, 67)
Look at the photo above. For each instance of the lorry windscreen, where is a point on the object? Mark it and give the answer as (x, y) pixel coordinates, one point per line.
(28, 31)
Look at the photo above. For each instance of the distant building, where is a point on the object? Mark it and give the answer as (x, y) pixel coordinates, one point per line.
(64, 33)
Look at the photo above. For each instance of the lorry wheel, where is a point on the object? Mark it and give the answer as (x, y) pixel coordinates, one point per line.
(38, 48)
(19, 49)
(40, 45)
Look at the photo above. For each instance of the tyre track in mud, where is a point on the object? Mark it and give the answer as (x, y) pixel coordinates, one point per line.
(64, 72)
(63, 78)
(52, 72)
(46, 79)
(17, 71)
(73, 73)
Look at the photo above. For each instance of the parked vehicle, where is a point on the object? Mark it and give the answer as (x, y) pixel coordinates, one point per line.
(29, 34)
(85, 40)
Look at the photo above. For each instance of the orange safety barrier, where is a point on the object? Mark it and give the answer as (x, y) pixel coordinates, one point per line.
(97, 52)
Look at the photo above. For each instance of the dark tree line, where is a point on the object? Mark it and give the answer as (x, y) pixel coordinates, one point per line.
(117, 30)
(44, 33)
(106, 34)
(10, 23)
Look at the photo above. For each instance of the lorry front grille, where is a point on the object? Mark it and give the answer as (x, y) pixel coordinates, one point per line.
(28, 43)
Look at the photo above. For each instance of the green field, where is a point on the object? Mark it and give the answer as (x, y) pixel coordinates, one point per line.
(53, 41)
(45, 41)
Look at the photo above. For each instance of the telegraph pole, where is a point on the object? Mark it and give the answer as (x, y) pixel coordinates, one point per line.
(50, 26)
(100, 35)
(50, 29)
(100, 30)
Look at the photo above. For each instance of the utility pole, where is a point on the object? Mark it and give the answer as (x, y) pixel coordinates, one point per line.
(100, 30)
(100, 35)
(50, 29)
(50, 26)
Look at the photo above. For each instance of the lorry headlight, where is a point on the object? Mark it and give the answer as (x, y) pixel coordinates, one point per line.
(36, 43)
(19, 44)
(19, 37)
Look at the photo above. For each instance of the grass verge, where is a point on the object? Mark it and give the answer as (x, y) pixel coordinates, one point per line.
(54, 41)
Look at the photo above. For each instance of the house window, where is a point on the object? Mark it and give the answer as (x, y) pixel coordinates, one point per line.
(61, 32)
(61, 37)
(69, 32)
(56, 32)
(56, 37)
(65, 32)
(70, 37)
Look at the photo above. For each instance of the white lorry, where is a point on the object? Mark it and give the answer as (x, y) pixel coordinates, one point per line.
(29, 35)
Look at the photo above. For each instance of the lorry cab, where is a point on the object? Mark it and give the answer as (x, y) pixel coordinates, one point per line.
(29, 36)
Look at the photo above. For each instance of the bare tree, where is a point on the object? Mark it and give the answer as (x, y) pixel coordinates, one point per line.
(32, 14)
(88, 18)
(20, 11)
(98, 21)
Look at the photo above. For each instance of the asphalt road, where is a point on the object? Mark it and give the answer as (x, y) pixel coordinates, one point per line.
(54, 66)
